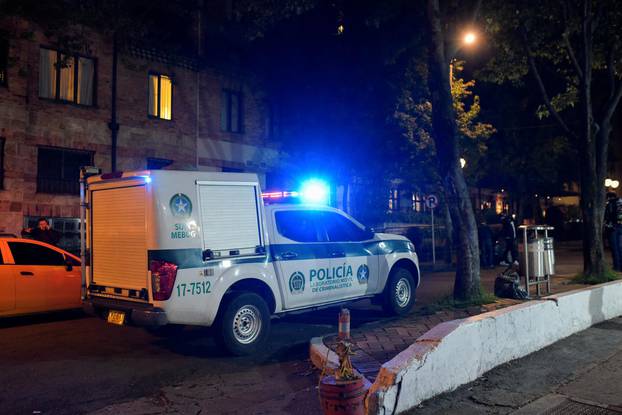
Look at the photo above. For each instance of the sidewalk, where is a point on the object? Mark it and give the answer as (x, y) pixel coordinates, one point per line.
(586, 378)
(378, 342)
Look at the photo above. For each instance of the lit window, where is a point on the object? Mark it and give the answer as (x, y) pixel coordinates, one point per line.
(417, 202)
(394, 201)
(68, 78)
(160, 96)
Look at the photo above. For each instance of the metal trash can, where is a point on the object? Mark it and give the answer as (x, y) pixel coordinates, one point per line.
(534, 259)
(537, 265)
(549, 256)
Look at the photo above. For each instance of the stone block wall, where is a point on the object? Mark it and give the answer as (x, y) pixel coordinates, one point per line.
(28, 122)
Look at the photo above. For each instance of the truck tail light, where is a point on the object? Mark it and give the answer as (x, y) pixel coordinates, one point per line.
(163, 276)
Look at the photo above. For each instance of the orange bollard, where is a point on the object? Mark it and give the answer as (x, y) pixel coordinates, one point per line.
(344, 324)
(342, 397)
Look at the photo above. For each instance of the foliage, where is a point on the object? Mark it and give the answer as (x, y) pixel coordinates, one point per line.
(413, 114)
(573, 50)
(256, 17)
(551, 30)
(449, 303)
(527, 156)
(607, 276)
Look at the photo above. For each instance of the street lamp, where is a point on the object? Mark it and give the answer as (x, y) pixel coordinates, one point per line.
(614, 184)
(462, 162)
(469, 38)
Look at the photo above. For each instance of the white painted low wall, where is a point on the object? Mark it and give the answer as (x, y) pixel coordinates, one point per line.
(457, 352)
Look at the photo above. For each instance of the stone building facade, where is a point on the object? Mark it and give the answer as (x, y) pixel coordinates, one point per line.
(172, 112)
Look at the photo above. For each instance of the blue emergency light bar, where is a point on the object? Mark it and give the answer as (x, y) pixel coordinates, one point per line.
(312, 191)
(315, 191)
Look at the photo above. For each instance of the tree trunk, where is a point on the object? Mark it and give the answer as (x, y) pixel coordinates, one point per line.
(593, 201)
(594, 140)
(449, 232)
(467, 283)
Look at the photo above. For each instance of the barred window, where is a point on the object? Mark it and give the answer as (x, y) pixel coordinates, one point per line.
(58, 169)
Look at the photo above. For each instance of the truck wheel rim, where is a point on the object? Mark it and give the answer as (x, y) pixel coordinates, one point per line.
(247, 324)
(402, 292)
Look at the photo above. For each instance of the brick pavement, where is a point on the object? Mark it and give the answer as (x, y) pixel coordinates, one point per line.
(378, 342)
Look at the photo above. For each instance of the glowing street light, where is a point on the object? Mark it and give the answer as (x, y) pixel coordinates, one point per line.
(614, 184)
(469, 38)
(462, 162)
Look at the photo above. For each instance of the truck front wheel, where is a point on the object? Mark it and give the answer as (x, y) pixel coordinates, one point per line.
(399, 295)
(245, 324)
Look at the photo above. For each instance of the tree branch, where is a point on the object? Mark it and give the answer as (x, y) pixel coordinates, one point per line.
(572, 56)
(565, 37)
(545, 95)
(588, 39)
(612, 104)
(611, 71)
(476, 9)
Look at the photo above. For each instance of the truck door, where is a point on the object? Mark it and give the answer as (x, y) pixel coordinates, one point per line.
(301, 257)
(231, 224)
(354, 263)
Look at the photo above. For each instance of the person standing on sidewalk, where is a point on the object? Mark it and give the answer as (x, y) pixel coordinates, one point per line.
(485, 243)
(613, 223)
(509, 234)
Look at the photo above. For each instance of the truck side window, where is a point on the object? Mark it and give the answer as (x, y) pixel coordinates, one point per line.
(298, 225)
(341, 229)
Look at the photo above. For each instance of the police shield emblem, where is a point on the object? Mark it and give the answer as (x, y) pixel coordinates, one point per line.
(362, 275)
(297, 283)
(181, 206)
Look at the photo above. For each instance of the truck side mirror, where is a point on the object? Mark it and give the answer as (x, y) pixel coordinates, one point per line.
(68, 265)
(207, 255)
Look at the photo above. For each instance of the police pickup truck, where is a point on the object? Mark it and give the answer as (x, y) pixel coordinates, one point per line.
(172, 248)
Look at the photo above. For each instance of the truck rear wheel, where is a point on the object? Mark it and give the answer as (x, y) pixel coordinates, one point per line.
(245, 324)
(399, 295)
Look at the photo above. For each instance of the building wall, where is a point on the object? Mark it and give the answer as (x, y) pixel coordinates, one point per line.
(27, 122)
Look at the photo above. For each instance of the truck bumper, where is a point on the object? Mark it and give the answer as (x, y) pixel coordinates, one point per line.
(137, 313)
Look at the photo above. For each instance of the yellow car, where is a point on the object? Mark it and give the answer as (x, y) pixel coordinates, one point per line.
(37, 277)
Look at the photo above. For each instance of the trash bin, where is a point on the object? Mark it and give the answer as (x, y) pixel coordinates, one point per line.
(549, 256)
(534, 259)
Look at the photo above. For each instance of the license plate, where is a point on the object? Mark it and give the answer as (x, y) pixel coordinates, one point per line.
(116, 317)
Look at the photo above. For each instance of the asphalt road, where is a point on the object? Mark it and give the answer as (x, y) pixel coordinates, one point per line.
(68, 363)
